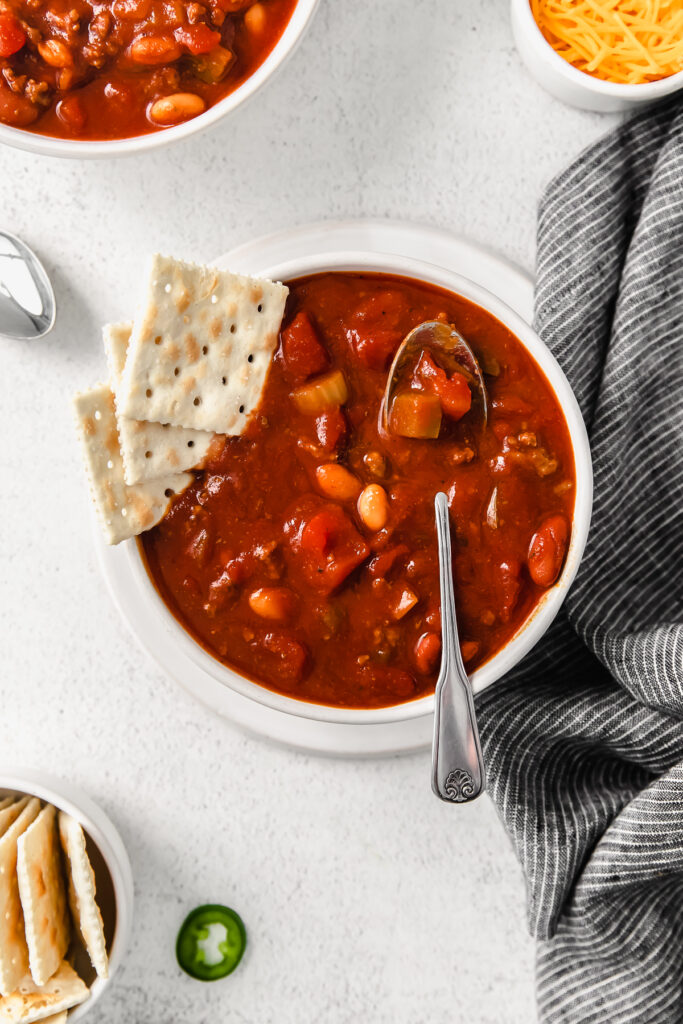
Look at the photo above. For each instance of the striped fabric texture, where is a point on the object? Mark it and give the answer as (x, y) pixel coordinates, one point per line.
(584, 740)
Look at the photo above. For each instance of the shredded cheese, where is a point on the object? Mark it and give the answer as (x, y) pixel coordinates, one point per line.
(625, 41)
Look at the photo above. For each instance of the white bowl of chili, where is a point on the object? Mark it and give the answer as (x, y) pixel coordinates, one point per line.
(573, 86)
(60, 137)
(109, 862)
(212, 671)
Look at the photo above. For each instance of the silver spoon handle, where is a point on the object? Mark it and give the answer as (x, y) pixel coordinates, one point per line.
(457, 765)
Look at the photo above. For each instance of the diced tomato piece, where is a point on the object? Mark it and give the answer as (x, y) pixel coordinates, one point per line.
(455, 395)
(376, 328)
(331, 548)
(382, 564)
(302, 350)
(374, 346)
(547, 550)
(427, 653)
(197, 38)
(330, 428)
(468, 649)
(291, 655)
(453, 392)
(12, 35)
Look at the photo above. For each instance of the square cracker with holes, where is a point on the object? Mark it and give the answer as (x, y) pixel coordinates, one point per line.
(31, 1002)
(149, 450)
(43, 895)
(82, 901)
(123, 511)
(13, 948)
(201, 347)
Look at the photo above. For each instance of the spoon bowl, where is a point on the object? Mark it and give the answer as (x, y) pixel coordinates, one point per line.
(451, 349)
(27, 301)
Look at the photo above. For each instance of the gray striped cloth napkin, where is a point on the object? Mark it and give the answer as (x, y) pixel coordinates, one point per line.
(584, 740)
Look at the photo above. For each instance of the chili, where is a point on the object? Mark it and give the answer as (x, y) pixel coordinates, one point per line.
(304, 555)
(109, 69)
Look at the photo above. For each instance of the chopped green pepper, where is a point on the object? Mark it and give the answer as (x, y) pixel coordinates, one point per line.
(211, 942)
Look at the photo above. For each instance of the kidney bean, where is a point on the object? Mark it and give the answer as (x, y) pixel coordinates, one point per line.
(71, 113)
(547, 550)
(427, 653)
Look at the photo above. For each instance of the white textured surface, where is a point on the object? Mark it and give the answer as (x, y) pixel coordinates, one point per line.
(365, 899)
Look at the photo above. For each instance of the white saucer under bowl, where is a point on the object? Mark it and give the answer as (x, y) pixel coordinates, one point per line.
(388, 247)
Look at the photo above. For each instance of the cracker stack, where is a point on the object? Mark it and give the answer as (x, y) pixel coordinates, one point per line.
(37, 983)
(190, 368)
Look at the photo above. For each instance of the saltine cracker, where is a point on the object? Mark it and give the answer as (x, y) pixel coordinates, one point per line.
(149, 450)
(82, 901)
(31, 1002)
(43, 895)
(201, 347)
(13, 948)
(124, 511)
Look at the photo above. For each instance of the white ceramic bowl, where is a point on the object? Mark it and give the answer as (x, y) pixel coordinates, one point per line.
(97, 825)
(83, 149)
(546, 610)
(562, 80)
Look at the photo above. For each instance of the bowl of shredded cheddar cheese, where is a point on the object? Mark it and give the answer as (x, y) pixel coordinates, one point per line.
(606, 55)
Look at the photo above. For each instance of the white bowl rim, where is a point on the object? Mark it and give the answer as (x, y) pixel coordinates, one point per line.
(642, 91)
(48, 145)
(547, 608)
(70, 798)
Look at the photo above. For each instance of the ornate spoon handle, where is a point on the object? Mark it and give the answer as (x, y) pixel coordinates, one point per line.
(457, 765)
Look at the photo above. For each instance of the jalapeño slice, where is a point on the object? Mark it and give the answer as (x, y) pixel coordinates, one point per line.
(211, 942)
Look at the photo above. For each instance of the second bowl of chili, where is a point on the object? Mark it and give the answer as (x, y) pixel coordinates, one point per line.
(274, 572)
(85, 79)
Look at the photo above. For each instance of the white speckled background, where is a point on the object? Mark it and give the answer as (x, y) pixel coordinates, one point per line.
(365, 899)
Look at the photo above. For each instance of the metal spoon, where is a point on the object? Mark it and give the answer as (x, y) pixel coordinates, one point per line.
(27, 301)
(457, 764)
(439, 337)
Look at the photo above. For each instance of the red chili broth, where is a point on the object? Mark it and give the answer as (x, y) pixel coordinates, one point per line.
(261, 488)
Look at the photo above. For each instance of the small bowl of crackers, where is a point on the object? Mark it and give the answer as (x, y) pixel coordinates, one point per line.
(66, 900)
